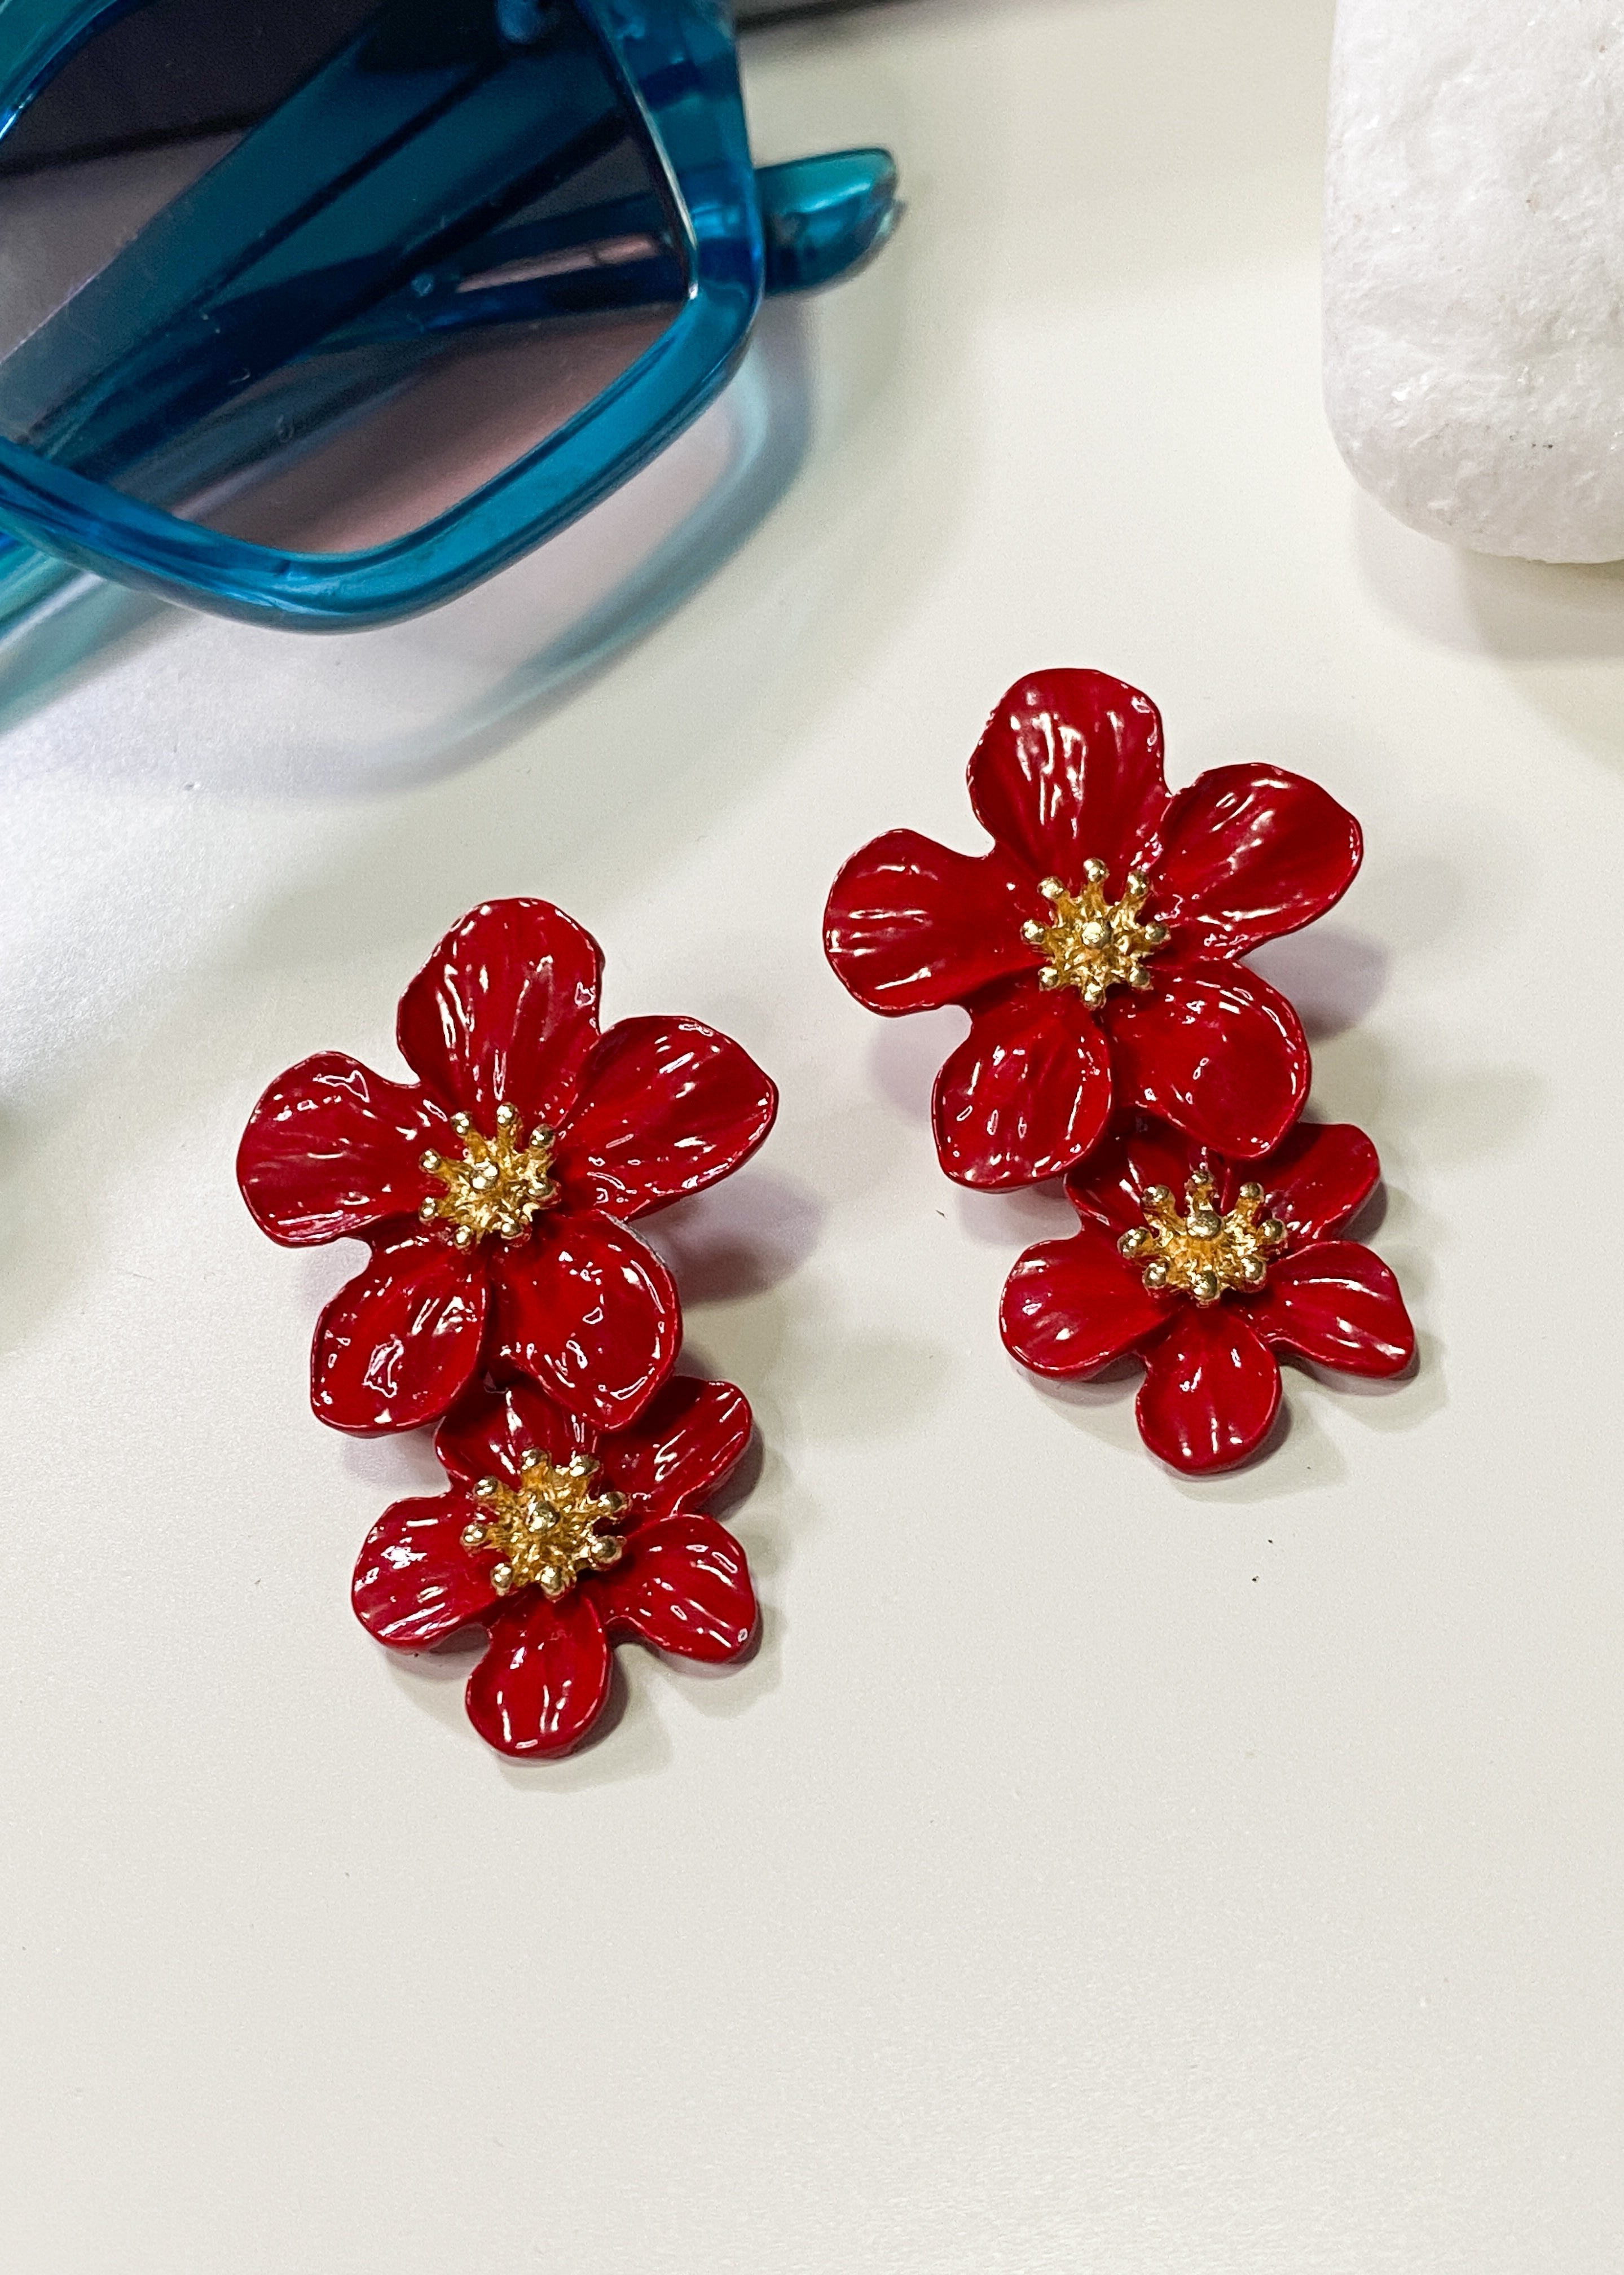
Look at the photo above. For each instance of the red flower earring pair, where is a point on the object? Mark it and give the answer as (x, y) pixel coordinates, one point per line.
(505, 1300)
(1118, 1038)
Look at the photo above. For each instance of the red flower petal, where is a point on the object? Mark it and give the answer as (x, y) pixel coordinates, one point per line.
(666, 1107)
(684, 1585)
(415, 1584)
(1215, 1050)
(685, 1441)
(1319, 1177)
(1027, 1092)
(332, 1148)
(393, 1347)
(590, 1312)
(1338, 1305)
(505, 1011)
(1071, 1307)
(541, 1685)
(1249, 852)
(1210, 1393)
(910, 925)
(1068, 769)
(486, 1431)
(1108, 1188)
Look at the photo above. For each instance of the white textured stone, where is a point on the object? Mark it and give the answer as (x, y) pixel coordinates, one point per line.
(1475, 269)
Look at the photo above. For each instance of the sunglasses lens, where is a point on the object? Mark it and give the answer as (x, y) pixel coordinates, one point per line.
(311, 272)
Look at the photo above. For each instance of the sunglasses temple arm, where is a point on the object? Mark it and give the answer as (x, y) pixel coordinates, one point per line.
(822, 216)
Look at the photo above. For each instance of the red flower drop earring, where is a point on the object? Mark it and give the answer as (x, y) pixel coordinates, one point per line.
(505, 1294)
(1118, 1037)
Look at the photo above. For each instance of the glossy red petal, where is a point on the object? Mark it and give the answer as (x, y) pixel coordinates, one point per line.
(686, 1439)
(541, 1685)
(1210, 1390)
(684, 1585)
(332, 1148)
(1108, 1188)
(1215, 1050)
(591, 1314)
(1068, 769)
(487, 1430)
(910, 925)
(505, 1011)
(1248, 853)
(1319, 1177)
(1070, 1307)
(395, 1347)
(1027, 1092)
(1339, 1306)
(415, 1584)
(665, 1107)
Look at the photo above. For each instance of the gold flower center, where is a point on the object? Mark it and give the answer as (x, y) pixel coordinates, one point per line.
(1202, 1252)
(546, 1526)
(498, 1185)
(1091, 943)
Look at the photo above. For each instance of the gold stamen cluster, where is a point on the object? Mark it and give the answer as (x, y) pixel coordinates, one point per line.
(497, 1186)
(1094, 944)
(546, 1526)
(1204, 1253)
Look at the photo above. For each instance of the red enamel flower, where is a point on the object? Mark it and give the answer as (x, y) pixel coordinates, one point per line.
(493, 1191)
(1096, 947)
(556, 1537)
(1205, 1267)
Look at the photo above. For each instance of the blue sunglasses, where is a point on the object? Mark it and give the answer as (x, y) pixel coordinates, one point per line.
(316, 312)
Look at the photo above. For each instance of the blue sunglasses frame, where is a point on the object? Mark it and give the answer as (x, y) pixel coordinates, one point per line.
(673, 64)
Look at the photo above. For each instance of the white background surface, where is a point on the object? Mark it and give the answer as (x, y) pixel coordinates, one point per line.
(1093, 1871)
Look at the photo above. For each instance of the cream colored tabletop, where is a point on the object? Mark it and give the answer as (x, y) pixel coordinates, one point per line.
(1092, 1870)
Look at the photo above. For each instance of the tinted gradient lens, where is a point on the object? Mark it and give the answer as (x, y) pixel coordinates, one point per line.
(310, 272)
